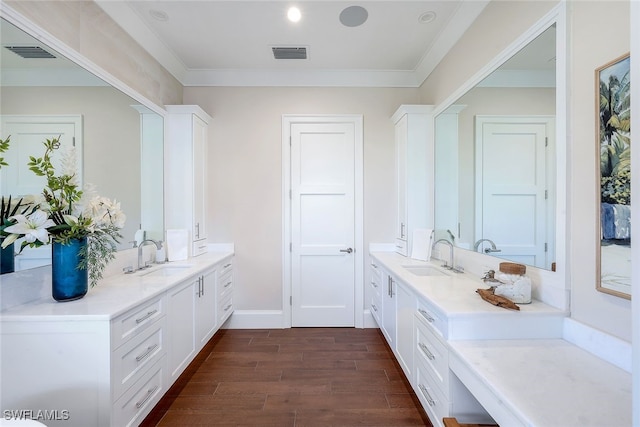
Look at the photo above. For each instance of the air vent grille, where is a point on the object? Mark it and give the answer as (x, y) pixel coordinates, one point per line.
(30, 52)
(289, 52)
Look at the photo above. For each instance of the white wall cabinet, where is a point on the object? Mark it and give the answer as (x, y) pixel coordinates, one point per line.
(88, 369)
(186, 130)
(413, 145)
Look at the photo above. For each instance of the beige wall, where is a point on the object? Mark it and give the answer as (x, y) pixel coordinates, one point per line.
(87, 29)
(591, 45)
(245, 205)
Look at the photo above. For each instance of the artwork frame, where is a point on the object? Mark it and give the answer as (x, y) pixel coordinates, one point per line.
(613, 160)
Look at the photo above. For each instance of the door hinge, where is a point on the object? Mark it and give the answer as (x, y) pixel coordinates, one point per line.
(289, 141)
(290, 247)
(546, 141)
(290, 299)
(73, 141)
(290, 195)
(546, 194)
(546, 248)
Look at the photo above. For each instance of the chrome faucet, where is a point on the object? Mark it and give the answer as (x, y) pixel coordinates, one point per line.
(487, 250)
(450, 264)
(146, 241)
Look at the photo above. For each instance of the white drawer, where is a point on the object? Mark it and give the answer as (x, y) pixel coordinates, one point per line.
(432, 398)
(131, 360)
(138, 401)
(199, 247)
(225, 285)
(130, 324)
(225, 267)
(433, 353)
(401, 247)
(437, 323)
(225, 308)
(375, 309)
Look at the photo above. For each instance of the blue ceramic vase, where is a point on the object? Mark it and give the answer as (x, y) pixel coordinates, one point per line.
(7, 262)
(68, 282)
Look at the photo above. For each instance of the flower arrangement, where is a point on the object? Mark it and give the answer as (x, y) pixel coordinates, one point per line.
(66, 213)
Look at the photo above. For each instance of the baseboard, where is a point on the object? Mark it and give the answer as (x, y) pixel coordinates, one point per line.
(255, 319)
(272, 319)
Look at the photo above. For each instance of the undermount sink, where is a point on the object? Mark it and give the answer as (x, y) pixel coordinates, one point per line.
(166, 271)
(424, 270)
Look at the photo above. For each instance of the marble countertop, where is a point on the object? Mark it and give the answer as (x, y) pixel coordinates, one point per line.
(115, 294)
(454, 295)
(543, 383)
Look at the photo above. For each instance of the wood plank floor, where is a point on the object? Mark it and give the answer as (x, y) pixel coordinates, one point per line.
(291, 377)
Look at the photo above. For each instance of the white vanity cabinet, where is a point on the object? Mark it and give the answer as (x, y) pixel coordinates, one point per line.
(186, 129)
(192, 319)
(107, 359)
(413, 145)
(389, 299)
(224, 278)
(375, 307)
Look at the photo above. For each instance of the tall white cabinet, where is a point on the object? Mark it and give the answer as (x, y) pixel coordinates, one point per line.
(186, 172)
(414, 174)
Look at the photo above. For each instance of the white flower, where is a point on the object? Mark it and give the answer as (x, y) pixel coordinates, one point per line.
(33, 227)
(104, 212)
(68, 164)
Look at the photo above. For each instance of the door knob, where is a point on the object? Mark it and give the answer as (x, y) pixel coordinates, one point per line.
(348, 250)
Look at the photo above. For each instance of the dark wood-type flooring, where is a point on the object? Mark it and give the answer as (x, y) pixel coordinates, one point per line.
(292, 377)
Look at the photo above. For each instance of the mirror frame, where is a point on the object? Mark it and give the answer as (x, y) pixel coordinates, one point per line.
(558, 16)
(618, 289)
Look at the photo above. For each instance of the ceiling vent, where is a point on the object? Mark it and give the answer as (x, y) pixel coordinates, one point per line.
(30, 52)
(289, 52)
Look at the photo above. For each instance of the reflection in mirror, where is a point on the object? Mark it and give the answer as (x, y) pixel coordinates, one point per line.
(118, 141)
(495, 161)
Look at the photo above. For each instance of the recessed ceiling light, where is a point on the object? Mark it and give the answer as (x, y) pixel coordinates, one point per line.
(427, 17)
(294, 14)
(353, 16)
(158, 15)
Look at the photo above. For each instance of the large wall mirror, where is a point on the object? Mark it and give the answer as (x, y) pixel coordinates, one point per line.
(495, 168)
(119, 141)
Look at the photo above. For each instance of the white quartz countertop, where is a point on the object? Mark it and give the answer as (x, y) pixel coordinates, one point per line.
(543, 383)
(115, 294)
(454, 295)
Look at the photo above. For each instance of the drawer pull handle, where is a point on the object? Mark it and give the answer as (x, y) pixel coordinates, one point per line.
(141, 403)
(426, 315)
(146, 316)
(426, 351)
(374, 307)
(228, 284)
(146, 353)
(374, 284)
(430, 400)
(226, 266)
(228, 307)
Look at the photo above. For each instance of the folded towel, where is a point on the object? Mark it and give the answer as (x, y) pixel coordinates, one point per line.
(607, 221)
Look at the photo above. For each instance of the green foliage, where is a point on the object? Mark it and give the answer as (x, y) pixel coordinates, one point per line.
(616, 189)
(4, 146)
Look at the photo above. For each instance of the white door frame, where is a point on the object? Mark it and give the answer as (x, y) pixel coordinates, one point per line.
(357, 121)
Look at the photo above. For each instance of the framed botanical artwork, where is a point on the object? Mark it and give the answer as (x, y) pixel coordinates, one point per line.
(613, 97)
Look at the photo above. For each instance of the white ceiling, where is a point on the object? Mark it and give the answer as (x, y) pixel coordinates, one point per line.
(228, 43)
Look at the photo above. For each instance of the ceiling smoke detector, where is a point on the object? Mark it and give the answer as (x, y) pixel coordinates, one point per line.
(289, 52)
(30, 52)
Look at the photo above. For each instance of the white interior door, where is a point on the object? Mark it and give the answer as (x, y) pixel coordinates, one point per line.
(511, 177)
(27, 136)
(322, 224)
